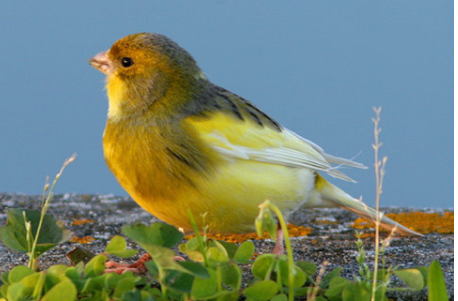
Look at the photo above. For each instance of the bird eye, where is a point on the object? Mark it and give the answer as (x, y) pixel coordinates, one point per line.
(127, 62)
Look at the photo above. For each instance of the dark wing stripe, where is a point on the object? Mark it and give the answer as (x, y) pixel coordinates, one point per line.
(256, 118)
(256, 114)
(272, 122)
(181, 158)
(234, 108)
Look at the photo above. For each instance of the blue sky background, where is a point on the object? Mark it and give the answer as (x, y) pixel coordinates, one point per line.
(317, 67)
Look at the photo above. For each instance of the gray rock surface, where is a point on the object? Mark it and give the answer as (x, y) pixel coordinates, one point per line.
(333, 242)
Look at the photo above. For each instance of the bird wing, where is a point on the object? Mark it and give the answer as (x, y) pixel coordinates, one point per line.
(242, 136)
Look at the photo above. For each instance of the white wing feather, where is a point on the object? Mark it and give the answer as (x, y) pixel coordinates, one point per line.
(310, 155)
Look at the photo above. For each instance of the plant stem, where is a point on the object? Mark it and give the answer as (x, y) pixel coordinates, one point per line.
(319, 277)
(289, 250)
(379, 171)
(219, 278)
(199, 238)
(44, 208)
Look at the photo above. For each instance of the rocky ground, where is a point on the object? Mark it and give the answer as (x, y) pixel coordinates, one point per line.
(332, 238)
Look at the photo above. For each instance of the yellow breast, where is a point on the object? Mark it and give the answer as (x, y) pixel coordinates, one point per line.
(168, 180)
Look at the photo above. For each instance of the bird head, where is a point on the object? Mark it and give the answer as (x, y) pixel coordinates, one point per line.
(144, 68)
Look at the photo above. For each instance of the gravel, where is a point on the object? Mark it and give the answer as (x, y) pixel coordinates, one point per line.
(329, 241)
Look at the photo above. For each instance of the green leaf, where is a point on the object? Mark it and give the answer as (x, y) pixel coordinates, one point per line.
(192, 249)
(94, 284)
(265, 221)
(73, 274)
(18, 273)
(156, 239)
(181, 282)
(281, 297)
(244, 252)
(54, 275)
(308, 267)
(33, 284)
(96, 266)
(3, 290)
(424, 272)
(231, 275)
(412, 277)
(63, 291)
(263, 266)
(336, 287)
(18, 291)
(156, 234)
(124, 285)
(437, 288)
(302, 291)
(152, 268)
(58, 270)
(14, 233)
(132, 296)
(163, 257)
(328, 277)
(190, 245)
(195, 268)
(299, 276)
(262, 290)
(118, 247)
(217, 256)
(4, 278)
(356, 291)
(204, 288)
(219, 245)
(230, 247)
(229, 296)
(111, 280)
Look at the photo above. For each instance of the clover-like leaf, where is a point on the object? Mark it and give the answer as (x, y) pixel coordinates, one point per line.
(195, 269)
(262, 290)
(336, 287)
(118, 247)
(64, 290)
(265, 221)
(96, 266)
(157, 234)
(412, 277)
(232, 276)
(14, 233)
(206, 288)
(244, 252)
(18, 273)
(329, 276)
(356, 291)
(263, 266)
(124, 285)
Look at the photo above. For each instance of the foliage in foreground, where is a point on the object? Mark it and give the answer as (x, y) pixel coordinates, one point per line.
(213, 272)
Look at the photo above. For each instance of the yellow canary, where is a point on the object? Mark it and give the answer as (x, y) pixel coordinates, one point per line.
(177, 142)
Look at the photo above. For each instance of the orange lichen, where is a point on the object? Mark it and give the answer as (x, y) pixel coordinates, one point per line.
(367, 235)
(418, 221)
(297, 231)
(294, 231)
(78, 222)
(82, 240)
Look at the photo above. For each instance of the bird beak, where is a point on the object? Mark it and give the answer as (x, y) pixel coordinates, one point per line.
(102, 63)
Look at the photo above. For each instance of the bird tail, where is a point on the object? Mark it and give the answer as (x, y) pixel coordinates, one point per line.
(330, 195)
